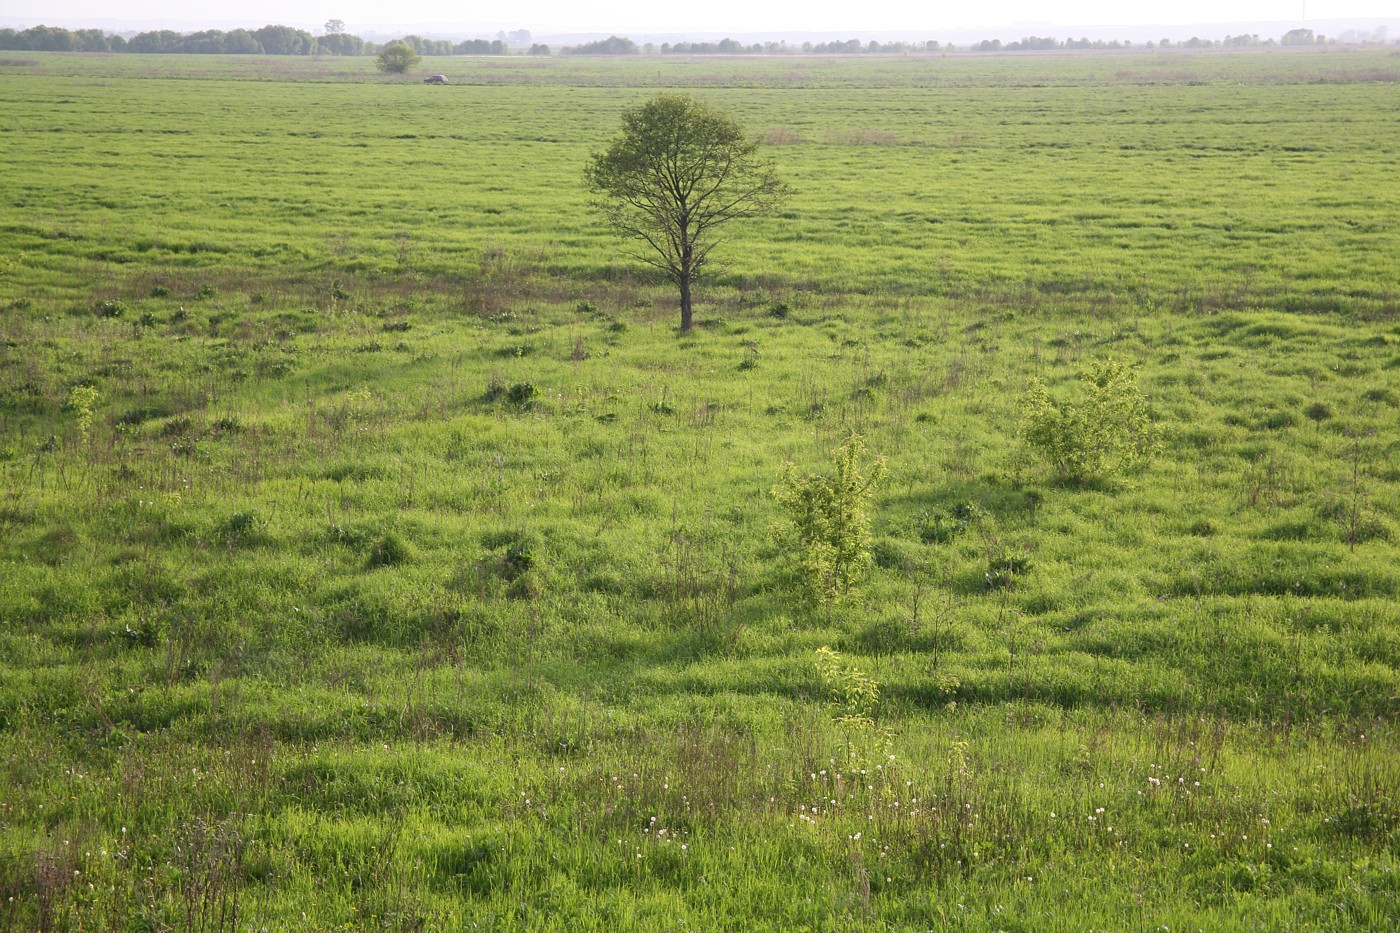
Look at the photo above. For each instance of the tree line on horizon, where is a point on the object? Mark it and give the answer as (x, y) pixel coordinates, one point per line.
(287, 40)
(269, 40)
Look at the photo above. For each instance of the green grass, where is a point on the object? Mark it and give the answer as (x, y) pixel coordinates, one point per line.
(321, 620)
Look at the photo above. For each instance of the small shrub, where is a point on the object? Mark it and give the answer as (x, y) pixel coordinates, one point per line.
(942, 527)
(858, 696)
(829, 535)
(111, 307)
(1318, 412)
(240, 528)
(857, 692)
(228, 424)
(750, 360)
(517, 560)
(147, 633)
(1004, 565)
(241, 523)
(1105, 433)
(160, 291)
(82, 400)
(176, 427)
(520, 394)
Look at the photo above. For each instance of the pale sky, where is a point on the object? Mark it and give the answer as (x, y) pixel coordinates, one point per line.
(737, 16)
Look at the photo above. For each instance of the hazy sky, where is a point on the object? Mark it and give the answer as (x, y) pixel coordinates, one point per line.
(711, 16)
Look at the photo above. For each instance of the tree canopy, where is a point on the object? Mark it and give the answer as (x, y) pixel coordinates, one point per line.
(396, 59)
(680, 170)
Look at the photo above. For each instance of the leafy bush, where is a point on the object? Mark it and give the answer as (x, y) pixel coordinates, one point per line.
(1004, 565)
(82, 400)
(1105, 433)
(228, 424)
(147, 633)
(396, 59)
(1318, 412)
(942, 527)
(240, 527)
(829, 538)
(517, 560)
(521, 394)
(855, 691)
(857, 695)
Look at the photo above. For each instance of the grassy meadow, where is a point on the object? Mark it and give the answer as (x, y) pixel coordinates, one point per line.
(375, 553)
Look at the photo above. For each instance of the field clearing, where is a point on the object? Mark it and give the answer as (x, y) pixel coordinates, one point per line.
(407, 569)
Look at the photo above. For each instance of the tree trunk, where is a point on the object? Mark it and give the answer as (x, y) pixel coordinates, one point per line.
(685, 302)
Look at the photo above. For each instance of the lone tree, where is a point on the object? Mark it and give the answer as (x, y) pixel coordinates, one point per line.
(678, 172)
(396, 59)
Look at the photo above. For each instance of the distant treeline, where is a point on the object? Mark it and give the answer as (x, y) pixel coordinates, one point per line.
(1292, 38)
(285, 40)
(618, 45)
(269, 40)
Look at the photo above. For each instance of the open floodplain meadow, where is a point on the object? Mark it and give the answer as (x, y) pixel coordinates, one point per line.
(375, 553)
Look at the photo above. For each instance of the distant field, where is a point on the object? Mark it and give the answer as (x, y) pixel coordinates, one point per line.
(1167, 66)
(404, 568)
